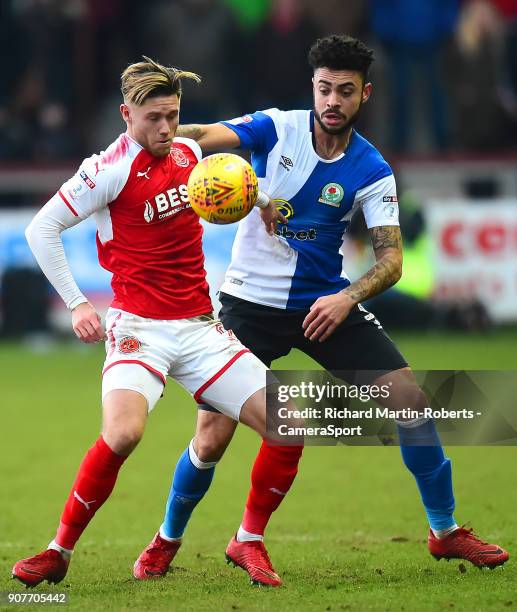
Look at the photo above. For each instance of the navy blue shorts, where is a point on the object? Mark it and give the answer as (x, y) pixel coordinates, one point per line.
(358, 351)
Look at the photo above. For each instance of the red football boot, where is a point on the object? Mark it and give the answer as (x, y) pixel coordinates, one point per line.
(49, 565)
(252, 557)
(463, 544)
(155, 560)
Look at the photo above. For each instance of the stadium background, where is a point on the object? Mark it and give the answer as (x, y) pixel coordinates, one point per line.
(444, 114)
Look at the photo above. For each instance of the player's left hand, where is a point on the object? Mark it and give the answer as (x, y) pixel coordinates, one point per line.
(326, 314)
(271, 216)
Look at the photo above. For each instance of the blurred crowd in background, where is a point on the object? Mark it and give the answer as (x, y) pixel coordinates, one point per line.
(445, 77)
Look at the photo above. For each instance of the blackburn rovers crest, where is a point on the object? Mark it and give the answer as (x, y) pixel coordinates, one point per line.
(332, 194)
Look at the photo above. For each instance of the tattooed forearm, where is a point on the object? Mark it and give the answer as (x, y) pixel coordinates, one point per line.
(385, 237)
(387, 245)
(385, 273)
(190, 131)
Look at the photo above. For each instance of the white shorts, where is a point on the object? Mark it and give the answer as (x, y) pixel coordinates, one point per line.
(199, 353)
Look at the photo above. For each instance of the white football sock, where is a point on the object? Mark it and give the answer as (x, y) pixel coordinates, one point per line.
(443, 533)
(246, 536)
(166, 537)
(67, 553)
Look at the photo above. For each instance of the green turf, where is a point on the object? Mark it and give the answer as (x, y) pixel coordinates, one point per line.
(350, 535)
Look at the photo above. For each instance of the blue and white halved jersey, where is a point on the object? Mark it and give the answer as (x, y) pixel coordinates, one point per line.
(302, 261)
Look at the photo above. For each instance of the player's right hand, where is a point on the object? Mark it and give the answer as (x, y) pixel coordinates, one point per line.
(271, 216)
(87, 323)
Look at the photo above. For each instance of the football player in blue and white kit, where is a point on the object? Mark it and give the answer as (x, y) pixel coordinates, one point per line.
(286, 289)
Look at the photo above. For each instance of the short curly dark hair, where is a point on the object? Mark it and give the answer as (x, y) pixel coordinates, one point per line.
(341, 52)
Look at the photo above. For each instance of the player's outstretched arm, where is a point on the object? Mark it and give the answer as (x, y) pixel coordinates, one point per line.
(328, 312)
(210, 137)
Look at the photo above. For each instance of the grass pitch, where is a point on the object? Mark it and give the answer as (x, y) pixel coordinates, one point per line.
(350, 536)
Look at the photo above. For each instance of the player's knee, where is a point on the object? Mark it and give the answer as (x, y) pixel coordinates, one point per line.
(214, 432)
(411, 396)
(210, 447)
(123, 440)
(415, 399)
(124, 419)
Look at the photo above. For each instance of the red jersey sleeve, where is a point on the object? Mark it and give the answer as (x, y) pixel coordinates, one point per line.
(100, 178)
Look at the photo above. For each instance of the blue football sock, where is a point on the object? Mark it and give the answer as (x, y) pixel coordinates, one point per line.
(423, 455)
(191, 481)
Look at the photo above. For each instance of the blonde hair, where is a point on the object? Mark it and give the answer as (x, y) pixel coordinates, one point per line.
(149, 79)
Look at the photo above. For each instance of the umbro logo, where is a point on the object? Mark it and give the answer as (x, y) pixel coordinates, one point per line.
(139, 174)
(286, 163)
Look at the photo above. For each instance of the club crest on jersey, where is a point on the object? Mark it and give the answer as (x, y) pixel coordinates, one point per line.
(128, 344)
(148, 211)
(179, 157)
(332, 194)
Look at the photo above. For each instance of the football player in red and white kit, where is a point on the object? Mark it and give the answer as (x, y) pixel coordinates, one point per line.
(160, 322)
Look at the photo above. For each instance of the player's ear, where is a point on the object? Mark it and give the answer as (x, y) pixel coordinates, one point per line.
(367, 91)
(124, 111)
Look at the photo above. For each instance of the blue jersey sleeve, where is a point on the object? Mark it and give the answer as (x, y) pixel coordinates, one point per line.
(257, 132)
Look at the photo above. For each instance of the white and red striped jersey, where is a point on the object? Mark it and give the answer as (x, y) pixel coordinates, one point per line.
(147, 234)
